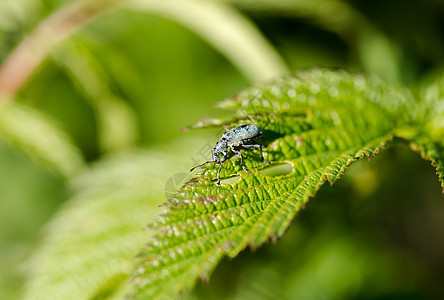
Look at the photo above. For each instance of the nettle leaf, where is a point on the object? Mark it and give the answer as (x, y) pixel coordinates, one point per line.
(433, 152)
(429, 142)
(317, 123)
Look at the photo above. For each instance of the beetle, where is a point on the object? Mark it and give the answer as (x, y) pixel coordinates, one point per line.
(234, 139)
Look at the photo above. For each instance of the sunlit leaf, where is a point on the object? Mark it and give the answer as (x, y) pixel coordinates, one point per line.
(430, 140)
(318, 122)
(433, 152)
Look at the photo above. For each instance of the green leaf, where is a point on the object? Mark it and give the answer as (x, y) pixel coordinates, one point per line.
(330, 262)
(88, 248)
(318, 122)
(433, 152)
(40, 138)
(432, 96)
(429, 142)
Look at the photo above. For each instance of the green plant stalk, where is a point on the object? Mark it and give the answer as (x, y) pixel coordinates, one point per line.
(228, 31)
(33, 49)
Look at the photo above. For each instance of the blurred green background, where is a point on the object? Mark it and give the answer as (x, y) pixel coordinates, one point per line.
(131, 78)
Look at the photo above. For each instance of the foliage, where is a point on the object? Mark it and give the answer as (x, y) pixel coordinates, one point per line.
(97, 233)
(306, 123)
(430, 140)
(83, 83)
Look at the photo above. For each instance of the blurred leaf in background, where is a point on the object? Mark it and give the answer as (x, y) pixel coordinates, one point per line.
(97, 233)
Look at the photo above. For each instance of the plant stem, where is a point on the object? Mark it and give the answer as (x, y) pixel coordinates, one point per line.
(32, 50)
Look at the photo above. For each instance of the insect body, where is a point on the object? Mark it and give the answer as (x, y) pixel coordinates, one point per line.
(234, 139)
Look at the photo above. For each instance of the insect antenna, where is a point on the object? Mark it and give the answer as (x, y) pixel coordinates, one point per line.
(207, 162)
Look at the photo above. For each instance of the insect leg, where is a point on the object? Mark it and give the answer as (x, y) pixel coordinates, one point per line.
(218, 174)
(238, 153)
(257, 147)
(262, 155)
(224, 158)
